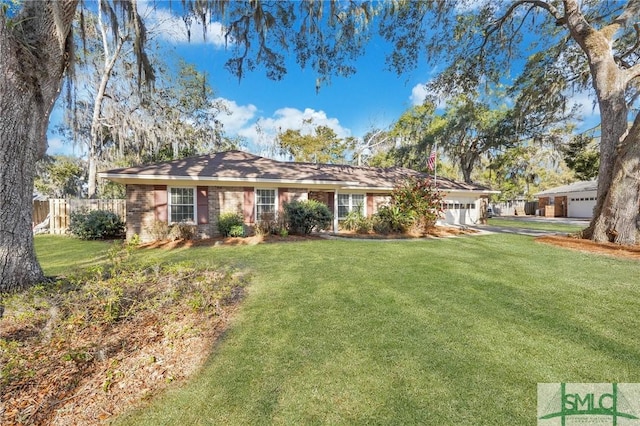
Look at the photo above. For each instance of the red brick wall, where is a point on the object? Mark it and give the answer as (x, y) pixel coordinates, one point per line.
(140, 210)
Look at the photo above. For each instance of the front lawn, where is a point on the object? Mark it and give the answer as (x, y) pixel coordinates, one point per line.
(538, 225)
(62, 255)
(455, 331)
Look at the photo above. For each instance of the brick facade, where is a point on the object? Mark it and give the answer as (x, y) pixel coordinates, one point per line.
(143, 211)
(140, 211)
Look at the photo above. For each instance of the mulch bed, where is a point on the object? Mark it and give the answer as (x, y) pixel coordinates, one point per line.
(436, 232)
(610, 249)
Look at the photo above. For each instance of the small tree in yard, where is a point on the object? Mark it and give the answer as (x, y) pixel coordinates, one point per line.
(418, 199)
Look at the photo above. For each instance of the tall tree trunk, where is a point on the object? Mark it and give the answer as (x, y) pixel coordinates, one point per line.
(616, 211)
(33, 58)
(613, 112)
(95, 150)
(618, 219)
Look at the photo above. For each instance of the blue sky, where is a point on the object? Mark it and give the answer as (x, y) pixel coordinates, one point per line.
(372, 98)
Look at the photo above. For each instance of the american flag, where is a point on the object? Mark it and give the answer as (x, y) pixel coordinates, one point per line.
(431, 161)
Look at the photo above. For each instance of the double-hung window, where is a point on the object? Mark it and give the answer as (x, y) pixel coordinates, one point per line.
(182, 205)
(350, 202)
(265, 203)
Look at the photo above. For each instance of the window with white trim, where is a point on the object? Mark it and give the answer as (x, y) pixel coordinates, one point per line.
(350, 202)
(265, 202)
(182, 205)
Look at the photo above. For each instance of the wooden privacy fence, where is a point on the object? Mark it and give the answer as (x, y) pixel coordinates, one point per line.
(59, 211)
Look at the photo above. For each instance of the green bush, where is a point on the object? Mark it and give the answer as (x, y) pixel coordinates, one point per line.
(390, 219)
(303, 217)
(237, 231)
(356, 221)
(227, 221)
(96, 225)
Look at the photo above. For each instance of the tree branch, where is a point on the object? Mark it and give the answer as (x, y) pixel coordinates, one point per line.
(498, 23)
(633, 73)
(620, 58)
(631, 12)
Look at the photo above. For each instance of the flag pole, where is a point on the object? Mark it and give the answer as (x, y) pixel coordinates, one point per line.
(435, 166)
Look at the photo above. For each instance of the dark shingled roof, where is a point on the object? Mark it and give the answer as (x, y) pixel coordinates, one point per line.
(241, 166)
(587, 185)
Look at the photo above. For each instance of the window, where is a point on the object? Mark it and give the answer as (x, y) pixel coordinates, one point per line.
(265, 202)
(350, 202)
(182, 205)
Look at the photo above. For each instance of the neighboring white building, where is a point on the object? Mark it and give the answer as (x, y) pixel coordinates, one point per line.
(577, 199)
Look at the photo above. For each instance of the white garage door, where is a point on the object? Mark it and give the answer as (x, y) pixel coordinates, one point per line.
(581, 205)
(461, 211)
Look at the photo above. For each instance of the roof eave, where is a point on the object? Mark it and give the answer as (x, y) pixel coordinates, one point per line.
(127, 178)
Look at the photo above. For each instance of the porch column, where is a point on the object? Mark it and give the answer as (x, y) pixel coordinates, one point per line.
(335, 211)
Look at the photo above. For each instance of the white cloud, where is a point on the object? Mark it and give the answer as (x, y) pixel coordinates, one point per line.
(287, 118)
(418, 94)
(167, 26)
(56, 146)
(261, 131)
(59, 146)
(585, 103)
(237, 116)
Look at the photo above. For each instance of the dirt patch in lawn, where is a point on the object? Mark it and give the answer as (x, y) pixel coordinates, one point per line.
(610, 249)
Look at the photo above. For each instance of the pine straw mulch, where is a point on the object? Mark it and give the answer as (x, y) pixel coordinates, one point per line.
(587, 246)
(83, 350)
(434, 232)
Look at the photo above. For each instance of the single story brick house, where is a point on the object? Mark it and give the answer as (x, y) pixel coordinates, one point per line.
(577, 199)
(198, 189)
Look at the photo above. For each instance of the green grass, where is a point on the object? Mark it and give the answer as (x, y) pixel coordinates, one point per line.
(455, 331)
(60, 255)
(542, 226)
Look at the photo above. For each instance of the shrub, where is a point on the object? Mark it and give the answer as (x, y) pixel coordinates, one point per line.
(96, 225)
(303, 217)
(227, 221)
(418, 199)
(364, 225)
(159, 230)
(183, 231)
(237, 231)
(391, 219)
(267, 224)
(356, 221)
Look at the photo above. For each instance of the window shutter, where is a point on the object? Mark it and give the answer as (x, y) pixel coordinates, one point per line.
(283, 197)
(248, 210)
(331, 202)
(369, 205)
(203, 205)
(160, 202)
